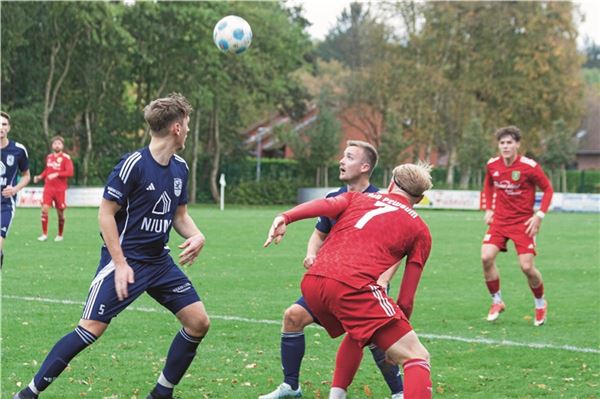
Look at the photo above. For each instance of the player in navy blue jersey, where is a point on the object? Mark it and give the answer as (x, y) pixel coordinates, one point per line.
(356, 167)
(13, 160)
(145, 195)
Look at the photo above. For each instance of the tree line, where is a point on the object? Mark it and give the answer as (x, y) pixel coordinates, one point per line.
(422, 77)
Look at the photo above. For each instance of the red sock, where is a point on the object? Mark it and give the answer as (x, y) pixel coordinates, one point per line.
(538, 291)
(493, 286)
(347, 361)
(61, 226)
(45, 223)
(417, 379)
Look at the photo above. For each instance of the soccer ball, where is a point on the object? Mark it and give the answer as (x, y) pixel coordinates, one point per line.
(232, 34)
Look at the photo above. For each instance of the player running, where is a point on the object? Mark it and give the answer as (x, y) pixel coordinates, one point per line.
(13, 160)
(59, 167)
(509, 190)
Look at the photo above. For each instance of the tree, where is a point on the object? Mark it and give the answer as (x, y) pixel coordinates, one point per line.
(391, 150)
(474, 151)
(559, 151)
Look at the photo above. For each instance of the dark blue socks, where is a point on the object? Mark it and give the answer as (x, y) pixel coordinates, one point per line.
(292, 352)
(390, 372)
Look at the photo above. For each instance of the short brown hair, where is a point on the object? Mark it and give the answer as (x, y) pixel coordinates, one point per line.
(413, 179)
(59, 138)
(162, 112)
(5, 115)
(371, 155)
(511, 131)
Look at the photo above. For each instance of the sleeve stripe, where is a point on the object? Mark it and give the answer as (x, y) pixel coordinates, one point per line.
(180, 159)
(128, 166)
(21, 146)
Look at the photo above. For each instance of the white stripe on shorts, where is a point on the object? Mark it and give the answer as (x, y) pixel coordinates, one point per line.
(387, 307)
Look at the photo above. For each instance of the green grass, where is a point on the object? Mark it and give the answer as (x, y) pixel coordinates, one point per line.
(236, 277)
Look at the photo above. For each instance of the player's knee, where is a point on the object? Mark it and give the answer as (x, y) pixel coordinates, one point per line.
(487, 260)
(198, 326)
(295, 319)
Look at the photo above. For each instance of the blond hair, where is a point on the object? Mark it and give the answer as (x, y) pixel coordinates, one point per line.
(371, 155)
(161, 113)
(414, 179)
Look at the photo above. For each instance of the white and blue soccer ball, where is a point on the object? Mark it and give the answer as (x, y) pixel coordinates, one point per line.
(232, 34)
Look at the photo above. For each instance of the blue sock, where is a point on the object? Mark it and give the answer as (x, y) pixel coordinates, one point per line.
(60, 356)
(292, 352)
(180, 356)
(390, 372)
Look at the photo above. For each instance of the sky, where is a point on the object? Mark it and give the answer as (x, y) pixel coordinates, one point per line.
(323, 15)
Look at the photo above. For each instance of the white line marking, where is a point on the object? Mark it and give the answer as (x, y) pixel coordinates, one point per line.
(484, 341)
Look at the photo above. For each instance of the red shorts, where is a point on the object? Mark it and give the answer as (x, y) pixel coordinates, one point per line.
(56, 197)
(499, 235)
(366, 314)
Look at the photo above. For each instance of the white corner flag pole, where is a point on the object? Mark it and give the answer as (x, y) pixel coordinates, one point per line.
(222, 183)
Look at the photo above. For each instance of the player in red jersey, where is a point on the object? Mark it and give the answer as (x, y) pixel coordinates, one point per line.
(509, 191)
(373, 232)
(59, 168)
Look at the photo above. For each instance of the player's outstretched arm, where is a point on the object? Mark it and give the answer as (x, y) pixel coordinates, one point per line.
(184, 225)
(108, 227)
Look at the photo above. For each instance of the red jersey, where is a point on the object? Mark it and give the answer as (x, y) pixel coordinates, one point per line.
(373, 232)
(510, 190)
(57, 163)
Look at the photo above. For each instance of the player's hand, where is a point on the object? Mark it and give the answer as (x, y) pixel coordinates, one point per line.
(52, 176)
(36, 179)
(276, 232)
(124, 276)
(308, 261)
(9, 191)
(191, 249)
(489, 216)
(533, 225)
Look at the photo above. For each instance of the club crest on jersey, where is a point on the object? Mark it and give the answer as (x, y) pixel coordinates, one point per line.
(10, 160)
(516, 175)
(177, 185)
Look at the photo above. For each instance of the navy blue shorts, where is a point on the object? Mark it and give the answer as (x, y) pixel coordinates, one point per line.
(165, 282)
(6, 216)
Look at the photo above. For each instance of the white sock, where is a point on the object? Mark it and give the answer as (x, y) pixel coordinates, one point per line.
(496, 298)
(337, 393)
(539, 302)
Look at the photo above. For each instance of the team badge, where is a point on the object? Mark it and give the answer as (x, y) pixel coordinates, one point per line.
(10, 160)
(59, 159)
(516, 175)
(177, 185)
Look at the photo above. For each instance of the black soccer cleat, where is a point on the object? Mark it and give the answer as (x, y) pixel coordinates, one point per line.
(154, 395)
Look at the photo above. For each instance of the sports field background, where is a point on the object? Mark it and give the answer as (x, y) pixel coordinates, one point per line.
(246, 288)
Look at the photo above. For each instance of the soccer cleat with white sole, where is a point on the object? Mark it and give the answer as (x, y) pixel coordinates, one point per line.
(43, 237)
(283, 391)
(495, 311)
(58, 238)
(399, 395)
(540, 315)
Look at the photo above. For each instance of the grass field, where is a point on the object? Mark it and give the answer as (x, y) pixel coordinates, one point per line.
(246, 288)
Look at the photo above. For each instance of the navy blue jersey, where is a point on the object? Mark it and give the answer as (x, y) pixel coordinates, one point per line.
(324, 224)
(149, 194)
(13, 159)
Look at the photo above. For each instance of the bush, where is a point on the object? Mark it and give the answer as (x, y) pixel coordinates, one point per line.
(267, 192)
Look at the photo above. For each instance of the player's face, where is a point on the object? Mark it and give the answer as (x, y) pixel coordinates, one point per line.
(352, 164)
(4, 127)
(57, 146)
(508, 147)
(183, 132)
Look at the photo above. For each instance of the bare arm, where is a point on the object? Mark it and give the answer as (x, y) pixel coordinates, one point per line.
(386, 276)
(314, 244)
(184, 225)
(9, 191)
(108, 227)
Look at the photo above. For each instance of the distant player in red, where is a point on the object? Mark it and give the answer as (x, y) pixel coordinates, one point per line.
(509, 191)
(373, 232)
(59, 168)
